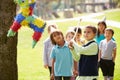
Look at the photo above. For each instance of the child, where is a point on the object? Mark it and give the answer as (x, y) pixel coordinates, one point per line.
(107, 55)
(69, 35)
(47, 49)
(61, 57)
(78, 36)
(87, 55)
(100, 34)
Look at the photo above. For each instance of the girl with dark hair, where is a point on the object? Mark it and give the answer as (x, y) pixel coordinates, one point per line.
(100, 34)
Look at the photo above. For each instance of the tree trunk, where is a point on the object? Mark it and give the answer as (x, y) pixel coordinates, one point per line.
(8, 46)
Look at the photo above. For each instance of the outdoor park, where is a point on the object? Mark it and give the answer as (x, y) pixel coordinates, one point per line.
(19, 61)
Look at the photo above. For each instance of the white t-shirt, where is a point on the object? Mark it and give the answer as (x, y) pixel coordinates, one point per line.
(107, 49)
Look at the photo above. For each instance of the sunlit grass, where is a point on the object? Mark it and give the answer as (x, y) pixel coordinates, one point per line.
(111, 15)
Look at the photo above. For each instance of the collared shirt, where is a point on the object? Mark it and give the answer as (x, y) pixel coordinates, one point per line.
(107, 49)
(63, 60)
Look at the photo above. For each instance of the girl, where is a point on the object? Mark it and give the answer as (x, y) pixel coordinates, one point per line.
(86, 55)
(61, 57)
(100, 34)
(69, 35)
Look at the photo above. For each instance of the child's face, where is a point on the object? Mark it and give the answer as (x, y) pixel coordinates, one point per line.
(77, 37)
(108, 35)
(57, 37)
(88, 34)
(101, 27)
(69, 37)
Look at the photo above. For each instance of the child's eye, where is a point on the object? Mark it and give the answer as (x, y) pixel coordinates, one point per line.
(87, 32)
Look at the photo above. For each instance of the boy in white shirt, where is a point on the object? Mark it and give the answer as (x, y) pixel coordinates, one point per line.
(107, 54)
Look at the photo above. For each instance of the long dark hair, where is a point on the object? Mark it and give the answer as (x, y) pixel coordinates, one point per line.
(101, 22)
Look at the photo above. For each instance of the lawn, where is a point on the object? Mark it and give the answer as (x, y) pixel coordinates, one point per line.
(30, 61)
(113, 14)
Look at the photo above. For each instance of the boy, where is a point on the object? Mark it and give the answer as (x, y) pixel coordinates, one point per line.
(107, 54)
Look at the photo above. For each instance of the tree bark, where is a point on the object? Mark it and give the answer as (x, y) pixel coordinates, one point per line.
(8, 46)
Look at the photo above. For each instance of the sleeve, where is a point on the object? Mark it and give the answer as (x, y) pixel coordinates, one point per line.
(75, 56)
(52, 55)
(88, 50)
(45, 54)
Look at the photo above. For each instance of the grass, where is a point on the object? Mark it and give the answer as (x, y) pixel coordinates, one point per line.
(113, 14)
(30, 63)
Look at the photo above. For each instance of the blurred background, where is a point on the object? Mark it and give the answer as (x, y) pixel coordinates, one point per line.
(50, 9)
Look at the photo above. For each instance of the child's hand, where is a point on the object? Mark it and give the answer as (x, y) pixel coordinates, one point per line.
(52, 77)
(46, 66)
(70, 45)
(75, 72)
